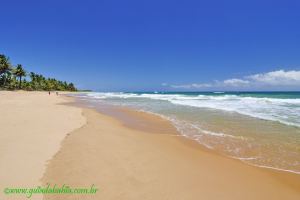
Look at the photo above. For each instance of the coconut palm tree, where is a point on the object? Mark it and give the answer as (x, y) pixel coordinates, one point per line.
(11, 78)
(5, 67)
(19, 72)
(71, 87)
(4, 64)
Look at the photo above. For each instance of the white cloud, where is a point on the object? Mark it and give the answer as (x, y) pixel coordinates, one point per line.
(226, 83)
(193, 85)
(278, 78)
(235, 82)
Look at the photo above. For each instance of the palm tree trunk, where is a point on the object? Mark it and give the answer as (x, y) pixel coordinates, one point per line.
(4, 83)
(20, 81)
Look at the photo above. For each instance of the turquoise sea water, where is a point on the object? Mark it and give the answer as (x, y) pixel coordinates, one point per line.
(259, 128)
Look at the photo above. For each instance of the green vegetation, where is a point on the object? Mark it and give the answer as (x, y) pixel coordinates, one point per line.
(12, 78)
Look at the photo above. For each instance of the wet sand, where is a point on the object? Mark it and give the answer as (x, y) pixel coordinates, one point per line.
(144, 158)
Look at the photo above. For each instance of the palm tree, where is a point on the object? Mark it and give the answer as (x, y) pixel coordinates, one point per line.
(32, 76)
(5, 67)
(71, 87)
(19, 72)
(4, 64)
(11, 78)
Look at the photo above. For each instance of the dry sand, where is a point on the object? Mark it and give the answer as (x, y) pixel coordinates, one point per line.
(32, 126)
(137, 158)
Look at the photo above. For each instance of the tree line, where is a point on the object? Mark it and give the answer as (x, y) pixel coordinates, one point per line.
(14, 77)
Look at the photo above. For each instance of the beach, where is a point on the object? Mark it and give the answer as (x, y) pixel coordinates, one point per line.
(33, 124)
(48, 140)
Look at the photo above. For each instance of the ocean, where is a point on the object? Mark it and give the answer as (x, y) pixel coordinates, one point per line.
(258, 128)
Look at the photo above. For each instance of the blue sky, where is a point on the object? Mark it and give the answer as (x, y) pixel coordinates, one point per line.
(157, 45)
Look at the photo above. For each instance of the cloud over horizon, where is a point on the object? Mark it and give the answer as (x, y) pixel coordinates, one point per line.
(270, 80)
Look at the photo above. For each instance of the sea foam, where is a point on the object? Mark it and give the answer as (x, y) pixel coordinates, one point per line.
(286, 111)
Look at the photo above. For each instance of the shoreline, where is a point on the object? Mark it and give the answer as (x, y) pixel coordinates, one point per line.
(122, 113)
(203, 147)
(114, 111)
(244, 177)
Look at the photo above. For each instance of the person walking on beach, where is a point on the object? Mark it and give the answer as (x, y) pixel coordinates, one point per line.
(49, 92)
